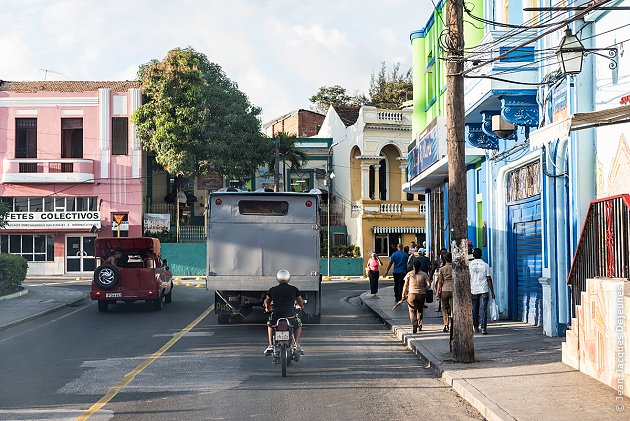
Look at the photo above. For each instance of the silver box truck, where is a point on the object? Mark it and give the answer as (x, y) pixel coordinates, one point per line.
(251, 236)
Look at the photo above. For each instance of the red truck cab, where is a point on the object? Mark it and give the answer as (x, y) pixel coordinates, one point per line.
(136, 272)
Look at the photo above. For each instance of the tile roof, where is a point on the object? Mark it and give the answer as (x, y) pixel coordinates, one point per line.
(67, 86)
(348, 115)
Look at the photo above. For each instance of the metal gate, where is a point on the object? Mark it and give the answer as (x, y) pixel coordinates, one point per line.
(525, 248)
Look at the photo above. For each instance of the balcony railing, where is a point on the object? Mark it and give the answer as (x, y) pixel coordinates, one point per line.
(604, 246)
(33, 170)
(388, 207)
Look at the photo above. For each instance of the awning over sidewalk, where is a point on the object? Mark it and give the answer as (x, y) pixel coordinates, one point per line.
(579, 121)
(398, 230)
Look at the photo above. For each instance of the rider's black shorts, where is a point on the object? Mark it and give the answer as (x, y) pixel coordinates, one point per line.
(295, 321)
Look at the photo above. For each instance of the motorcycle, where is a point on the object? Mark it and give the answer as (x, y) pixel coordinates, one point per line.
(283, 341)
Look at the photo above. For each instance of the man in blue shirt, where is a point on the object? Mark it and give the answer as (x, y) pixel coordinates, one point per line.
(399, 260)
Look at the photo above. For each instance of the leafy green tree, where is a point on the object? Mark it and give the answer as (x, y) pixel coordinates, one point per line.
(195, 119)
(390, 89)
(335, 95)
(4, 211)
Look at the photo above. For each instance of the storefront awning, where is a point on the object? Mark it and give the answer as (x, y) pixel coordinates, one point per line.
(579, 121)
(398, 230)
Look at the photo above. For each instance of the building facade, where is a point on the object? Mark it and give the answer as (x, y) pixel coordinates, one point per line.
(301, 123)
(71, 168)
(369, 163)
(547, 143)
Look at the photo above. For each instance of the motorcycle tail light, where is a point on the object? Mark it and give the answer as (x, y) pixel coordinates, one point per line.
(282, 326)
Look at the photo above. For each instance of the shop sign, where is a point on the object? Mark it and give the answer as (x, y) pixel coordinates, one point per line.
(625, 100)
(53, 220)
(559, 103)
(212, 181)
(157, 222)
(430, 143)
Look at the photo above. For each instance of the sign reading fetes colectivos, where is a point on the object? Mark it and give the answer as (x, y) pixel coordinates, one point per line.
(53, 220)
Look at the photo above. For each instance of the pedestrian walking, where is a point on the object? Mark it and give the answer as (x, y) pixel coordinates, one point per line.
(373, 272)
(480, 287)
(445, 289)
(437, 264)
(414, 291)
(399, 261)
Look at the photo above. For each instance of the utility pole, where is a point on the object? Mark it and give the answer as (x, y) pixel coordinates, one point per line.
(462, 346)
(276, 172)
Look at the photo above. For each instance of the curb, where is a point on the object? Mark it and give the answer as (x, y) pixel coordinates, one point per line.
(489, 409)
(75, 303)
(14, 295)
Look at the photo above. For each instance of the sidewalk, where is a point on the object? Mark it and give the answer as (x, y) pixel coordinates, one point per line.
(39, 301)
(518, 374)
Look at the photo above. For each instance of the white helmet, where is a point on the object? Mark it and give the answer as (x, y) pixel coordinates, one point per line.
(283, 276)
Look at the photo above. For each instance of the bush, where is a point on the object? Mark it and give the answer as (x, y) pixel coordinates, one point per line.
(12, 272)
(164, 236)
(346, 251)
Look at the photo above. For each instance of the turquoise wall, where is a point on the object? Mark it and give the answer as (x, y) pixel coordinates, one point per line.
(189, 259)
(185, 258)
(342, 266)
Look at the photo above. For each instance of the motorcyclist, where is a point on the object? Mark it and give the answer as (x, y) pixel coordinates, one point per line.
(284, 297)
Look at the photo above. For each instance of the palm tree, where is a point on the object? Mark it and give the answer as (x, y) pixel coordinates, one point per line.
(289, 154)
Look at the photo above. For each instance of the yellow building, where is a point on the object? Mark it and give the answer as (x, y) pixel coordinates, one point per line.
(370, 166)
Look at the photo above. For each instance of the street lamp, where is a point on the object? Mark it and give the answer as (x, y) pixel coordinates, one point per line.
(329, 178)
(571, 53)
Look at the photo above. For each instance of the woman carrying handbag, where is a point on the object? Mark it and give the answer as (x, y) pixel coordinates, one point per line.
(373, 273)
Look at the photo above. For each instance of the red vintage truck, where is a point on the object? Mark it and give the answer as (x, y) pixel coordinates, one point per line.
(136, 273)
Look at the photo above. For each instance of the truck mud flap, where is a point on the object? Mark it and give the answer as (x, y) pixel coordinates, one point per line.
(222, 306)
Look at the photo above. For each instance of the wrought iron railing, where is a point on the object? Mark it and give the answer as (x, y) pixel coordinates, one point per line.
(192, 234)
(604, 246)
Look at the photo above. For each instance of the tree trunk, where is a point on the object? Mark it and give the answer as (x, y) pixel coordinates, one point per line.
(463, 348)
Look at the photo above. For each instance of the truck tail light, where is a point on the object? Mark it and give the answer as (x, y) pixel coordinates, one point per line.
(218, 202)
(309, 203)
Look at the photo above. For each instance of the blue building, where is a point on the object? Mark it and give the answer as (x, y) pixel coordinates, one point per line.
(533, 152)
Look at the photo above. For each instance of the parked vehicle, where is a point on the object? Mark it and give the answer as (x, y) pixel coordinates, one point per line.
(139, 273)
(283, 350)
(252, 235)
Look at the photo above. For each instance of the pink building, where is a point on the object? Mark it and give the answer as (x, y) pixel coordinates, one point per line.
(70, 164)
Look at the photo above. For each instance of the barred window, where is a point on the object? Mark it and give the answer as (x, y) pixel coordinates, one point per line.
(524, 182)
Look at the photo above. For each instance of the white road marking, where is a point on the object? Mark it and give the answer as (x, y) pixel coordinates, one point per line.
(49, 414)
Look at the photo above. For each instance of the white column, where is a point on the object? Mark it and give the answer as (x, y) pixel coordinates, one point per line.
(104, 130)
(377, 190)
(403, 180)
(365, 181)
(136, 148)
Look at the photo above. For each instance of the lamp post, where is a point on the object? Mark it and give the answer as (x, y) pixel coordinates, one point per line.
(571, 53)
(329, 177)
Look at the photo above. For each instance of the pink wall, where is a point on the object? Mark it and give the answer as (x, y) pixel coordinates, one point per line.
(119, 191)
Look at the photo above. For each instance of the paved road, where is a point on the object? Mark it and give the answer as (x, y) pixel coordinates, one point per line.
(58, 366)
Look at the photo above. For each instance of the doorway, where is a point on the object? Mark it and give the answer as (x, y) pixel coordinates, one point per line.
(80, 253)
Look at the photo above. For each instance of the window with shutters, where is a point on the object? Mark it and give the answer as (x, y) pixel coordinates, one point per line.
(26, 138)
(71, 138)
(120, 136)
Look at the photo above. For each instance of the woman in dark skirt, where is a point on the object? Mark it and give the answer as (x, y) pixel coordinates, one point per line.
(372, 266)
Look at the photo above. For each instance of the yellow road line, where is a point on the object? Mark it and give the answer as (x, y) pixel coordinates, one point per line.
(113, 391)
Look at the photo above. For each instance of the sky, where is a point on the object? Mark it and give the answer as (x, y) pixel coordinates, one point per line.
(278, 51)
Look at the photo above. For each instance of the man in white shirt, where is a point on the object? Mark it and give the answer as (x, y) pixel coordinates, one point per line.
(480, 287)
